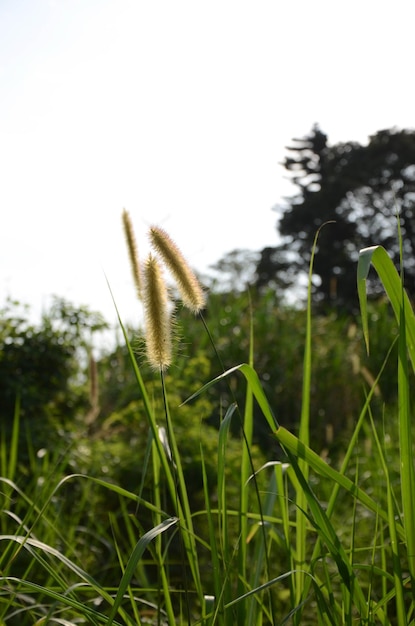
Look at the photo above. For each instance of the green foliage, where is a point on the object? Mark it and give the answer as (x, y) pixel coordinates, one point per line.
(160, 508)
(43, 372)
(340, 364)
(35, 366)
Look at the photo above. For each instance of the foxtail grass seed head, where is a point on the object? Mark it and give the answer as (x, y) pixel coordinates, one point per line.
(157, 316)
(132, 251)
(190, 289)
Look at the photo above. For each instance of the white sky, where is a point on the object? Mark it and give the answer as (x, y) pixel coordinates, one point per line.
(179, 111)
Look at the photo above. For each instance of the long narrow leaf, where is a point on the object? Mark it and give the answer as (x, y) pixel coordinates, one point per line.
(25, 586)
(292, 444)
(134, 559)
(382, 263)
(304, 436)
(392, 283)
(253, 380)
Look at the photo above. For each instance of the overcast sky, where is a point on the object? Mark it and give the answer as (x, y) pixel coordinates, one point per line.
(178, 111)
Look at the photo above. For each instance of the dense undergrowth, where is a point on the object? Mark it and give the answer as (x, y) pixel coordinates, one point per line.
(265, 478)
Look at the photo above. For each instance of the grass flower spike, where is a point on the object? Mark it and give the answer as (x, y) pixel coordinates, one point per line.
(132, 251)
(190, 289)
(157, 317)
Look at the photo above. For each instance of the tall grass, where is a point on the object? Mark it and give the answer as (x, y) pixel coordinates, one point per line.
(295, 540)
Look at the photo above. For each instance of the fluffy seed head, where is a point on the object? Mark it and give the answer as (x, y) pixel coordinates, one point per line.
(132, 251)
(190, 290)
(157, 317)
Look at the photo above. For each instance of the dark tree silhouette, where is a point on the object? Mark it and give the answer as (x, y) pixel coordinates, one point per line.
(361, 188)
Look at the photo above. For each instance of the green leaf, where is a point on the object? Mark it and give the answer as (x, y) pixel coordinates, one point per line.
(292, 444)
(382, 263)
(134, 559)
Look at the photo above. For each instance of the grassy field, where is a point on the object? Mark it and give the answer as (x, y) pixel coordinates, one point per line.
(293, 539)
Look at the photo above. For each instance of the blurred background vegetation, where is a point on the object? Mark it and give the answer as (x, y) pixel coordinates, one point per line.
(69, 384)
(65, 391)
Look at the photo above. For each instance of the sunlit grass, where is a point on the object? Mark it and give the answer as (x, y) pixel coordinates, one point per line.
(295, 540)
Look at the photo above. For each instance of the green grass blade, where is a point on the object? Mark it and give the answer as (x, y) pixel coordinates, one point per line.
(294, 447)
(133, 561)
(381, 261)
(393, 285)
(63, 599)
(260, 554)
(328, 536)
(158, 543)
(347, 457)
(253, 380)
(226, 548)
(182, 501)
(14, 444)
(292, 444)
(147, 405)
(394, 540)
(182, 504)
(304, 436)
(246, 469)
(42, 553)
(214, 552)
(406, 449)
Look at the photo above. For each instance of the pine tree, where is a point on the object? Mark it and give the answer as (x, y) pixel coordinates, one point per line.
(360, 188)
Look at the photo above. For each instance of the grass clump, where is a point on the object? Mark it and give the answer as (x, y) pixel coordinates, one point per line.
(203, 527)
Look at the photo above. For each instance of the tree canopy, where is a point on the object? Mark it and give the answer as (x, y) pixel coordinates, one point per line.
(360, 190)
(42, 366)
